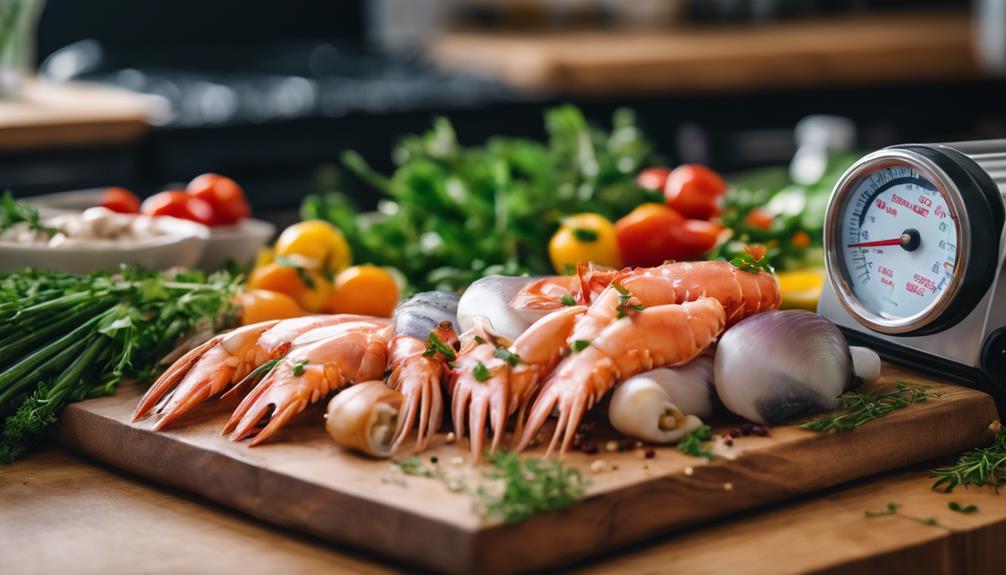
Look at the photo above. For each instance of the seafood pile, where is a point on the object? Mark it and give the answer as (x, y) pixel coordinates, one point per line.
(509, 351)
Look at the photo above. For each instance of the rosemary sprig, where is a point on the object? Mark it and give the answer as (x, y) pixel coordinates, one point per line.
(857, 409)
(962, 509)
(892, 510)
(696, 443)
(982, 466)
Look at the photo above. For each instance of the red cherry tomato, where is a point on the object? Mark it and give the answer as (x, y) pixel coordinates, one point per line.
(120, 200)
(652, 234)
(654, 178)
(178, 204)
(224, 195)
(694, 191)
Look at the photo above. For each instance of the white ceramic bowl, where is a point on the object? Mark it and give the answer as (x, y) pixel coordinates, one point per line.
(182, 245)
(240, 243)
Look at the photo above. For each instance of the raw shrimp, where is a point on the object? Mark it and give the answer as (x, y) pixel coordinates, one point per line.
(225, 360)
(307, 375)
(654, 337)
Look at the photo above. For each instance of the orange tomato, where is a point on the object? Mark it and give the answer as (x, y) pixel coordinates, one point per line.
(363, 289)
(801, 239)
(224, 195)
(652, 234)
(759, 218)
(121, 200)
(298, 277)
(694, 191)
(264, 305)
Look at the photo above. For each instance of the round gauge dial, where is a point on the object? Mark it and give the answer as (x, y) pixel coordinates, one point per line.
(895, 242)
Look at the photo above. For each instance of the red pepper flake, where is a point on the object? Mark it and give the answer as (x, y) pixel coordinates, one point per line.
(649, 453)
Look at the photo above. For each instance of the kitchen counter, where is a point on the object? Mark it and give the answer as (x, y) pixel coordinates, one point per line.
(63, 513)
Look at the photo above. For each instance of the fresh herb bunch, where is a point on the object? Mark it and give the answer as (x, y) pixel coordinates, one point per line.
(795, 236)
(857, 409)
(65, 338)
(696, 443)
(453, 213)
(982, 466)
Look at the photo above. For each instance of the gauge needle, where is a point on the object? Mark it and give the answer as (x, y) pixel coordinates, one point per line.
(909, 240)
(877, 243)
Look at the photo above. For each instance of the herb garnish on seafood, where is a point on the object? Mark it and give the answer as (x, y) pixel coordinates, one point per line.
(435, 345)
(481, 372)
(696, 443)
(860, 408)
(568, 300)
(982, 466)
(298, 368)
(580, 345)
(506, 355)
(624, 299)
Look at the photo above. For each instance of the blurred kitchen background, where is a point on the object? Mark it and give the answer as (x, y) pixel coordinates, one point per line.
(141, 94)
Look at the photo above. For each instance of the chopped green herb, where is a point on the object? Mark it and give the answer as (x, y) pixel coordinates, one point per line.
(580, 345)
(13, 212)
(982, 466)
(481, 372)
(298, 368)
(527, 487)
(479, 340)
(624, 299)
(966, 510)
(568, 300)
(435, 345)
(696, 443)
(506, 355)
(857, 409)
(891, 510)
(585, 234)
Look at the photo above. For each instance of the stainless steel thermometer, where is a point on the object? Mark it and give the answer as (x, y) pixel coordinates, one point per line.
(914, 248)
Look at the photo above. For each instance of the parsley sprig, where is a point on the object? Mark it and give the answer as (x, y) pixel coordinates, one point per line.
(696, 443)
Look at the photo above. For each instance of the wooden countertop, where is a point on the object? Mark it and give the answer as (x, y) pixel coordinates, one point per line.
(52, 115)
(62, 513)
(880, 48)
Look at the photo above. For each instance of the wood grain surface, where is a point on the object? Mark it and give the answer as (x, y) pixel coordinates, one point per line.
(305, 482)
(851, 50)
(52, 115)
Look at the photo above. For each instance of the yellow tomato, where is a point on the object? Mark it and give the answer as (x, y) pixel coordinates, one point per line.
(318, 240)
(298, 277)
(364, 289)
(584, 238)
(264, 256)
(801, 289)
(263, 305)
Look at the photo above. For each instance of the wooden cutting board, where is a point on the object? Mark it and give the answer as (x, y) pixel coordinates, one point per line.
(303, 481)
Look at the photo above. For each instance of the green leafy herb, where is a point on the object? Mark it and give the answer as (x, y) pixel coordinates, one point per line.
(580, 345)
(857, 409)
(982, 466)
(696, 443)
(65, 338)
(966, 510)
(479, 340)
(568, 300)
(624, 301)
(481, 372)
(14, 212)
(435, 345)
(506, 355)
(585, 234)
(302, 273)
(892, 510)
(528, 487)
(514, 192)
(298, 368)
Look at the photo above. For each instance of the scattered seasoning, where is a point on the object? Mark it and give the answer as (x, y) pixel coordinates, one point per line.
(568, 300)
(611, 446)
(696, 443)
(580, 345)
(479, 340)
(599, 466)
(589, 448)
(982, 466)
(749, 429)
(689, 471)
(451, 437)
(481, 372)
(728, 486)
(528, 486)
(892, 510)
(729, 442)
(298, 368)
(457, 460)
(506, 355)
(650, 453)
(434, 459)
(968, 510)
(857, 409)
(435, 345)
